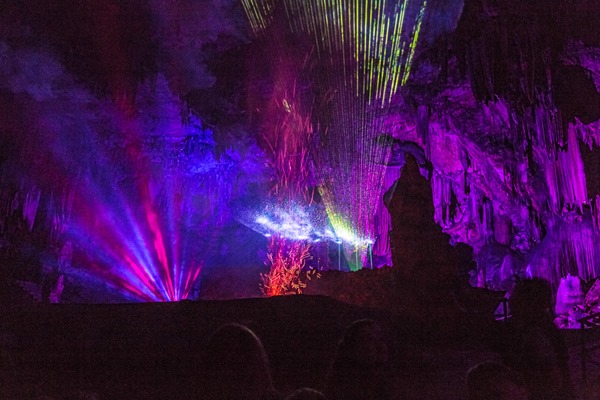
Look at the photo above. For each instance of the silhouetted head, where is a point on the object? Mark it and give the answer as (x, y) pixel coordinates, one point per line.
(358, 369)
(490, 380)
(363, 344)
(306, 394)
(236, 365)
(531, 298)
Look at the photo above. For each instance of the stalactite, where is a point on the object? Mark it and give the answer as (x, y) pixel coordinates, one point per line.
(596, 212)
(60, 211)
(547, 126)
(497, 114)
(566, 176)
(502, 230)
(16, 202)
(442, 199)
(5, 210)
(487, 220)
(475, 237)
(571, 248)
(423, 125)
(30, 206)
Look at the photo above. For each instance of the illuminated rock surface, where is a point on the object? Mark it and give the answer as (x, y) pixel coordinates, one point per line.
(143, 137)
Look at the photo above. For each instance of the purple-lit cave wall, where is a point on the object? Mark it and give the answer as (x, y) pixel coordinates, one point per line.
(150, 150)
(108, 176)
(143, 201)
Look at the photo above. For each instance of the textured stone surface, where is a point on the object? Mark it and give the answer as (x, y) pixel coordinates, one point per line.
(502, 104)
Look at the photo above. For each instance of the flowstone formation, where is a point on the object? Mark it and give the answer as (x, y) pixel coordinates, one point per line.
(497, 108)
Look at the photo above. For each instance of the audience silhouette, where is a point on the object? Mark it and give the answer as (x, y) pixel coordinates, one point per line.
(359, 369)
(491, 380)
(235, 366)
(534, 346)
(234, 363)
(306, 394)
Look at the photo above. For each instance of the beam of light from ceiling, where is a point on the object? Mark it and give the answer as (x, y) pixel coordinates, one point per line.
(133, 244)
(127, 212)
(363, 52)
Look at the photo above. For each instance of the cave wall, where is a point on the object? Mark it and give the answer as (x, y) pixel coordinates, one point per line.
(511, 103)
(145, 102)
